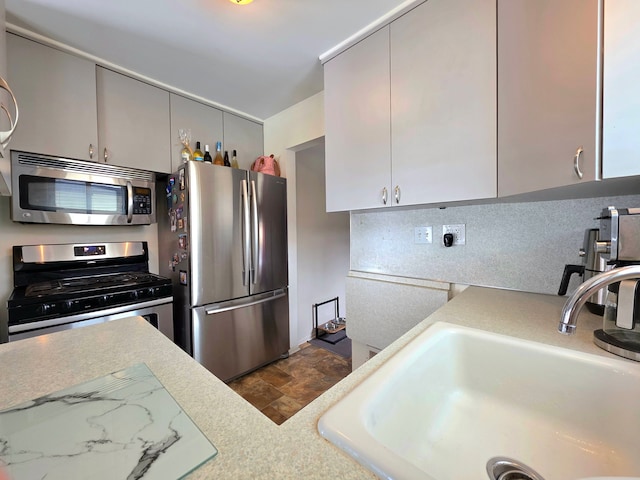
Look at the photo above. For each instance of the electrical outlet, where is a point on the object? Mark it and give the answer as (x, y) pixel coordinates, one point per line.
(457, 231)
(422, 235)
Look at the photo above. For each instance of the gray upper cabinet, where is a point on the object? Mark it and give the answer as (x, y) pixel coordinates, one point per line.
(357, 126)
(205, 123)
(621, 96)
(443, 102)
(547, 94)
(56, 92)
(134, 127)
(244, 136)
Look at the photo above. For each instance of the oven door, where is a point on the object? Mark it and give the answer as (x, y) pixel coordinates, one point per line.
(66, 191)
(159, 313)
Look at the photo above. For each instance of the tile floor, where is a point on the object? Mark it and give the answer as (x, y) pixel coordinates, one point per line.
(284, 387)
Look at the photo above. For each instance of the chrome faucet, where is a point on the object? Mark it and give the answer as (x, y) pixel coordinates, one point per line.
(569, 319)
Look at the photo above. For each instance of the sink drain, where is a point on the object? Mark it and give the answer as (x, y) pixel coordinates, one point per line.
(502, 468)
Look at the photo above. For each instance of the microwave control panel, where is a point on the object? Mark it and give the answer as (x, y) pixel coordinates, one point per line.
(141, 200)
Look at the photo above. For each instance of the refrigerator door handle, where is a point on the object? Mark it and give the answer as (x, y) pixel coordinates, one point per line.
(246, 241)
(214, 310)
(254, 232)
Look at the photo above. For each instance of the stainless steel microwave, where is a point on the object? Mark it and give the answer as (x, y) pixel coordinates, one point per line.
(50, 189)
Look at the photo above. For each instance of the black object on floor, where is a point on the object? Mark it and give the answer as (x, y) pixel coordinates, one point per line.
(342, 347)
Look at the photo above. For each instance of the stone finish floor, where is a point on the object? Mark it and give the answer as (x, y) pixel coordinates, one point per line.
(284, 387)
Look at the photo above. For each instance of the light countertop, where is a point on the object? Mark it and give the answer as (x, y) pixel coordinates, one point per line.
(249, 444)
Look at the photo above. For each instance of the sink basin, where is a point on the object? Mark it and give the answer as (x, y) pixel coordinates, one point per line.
(456, 397)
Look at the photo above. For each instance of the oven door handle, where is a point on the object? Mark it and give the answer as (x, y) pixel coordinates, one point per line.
(52, 322)
(129, 201)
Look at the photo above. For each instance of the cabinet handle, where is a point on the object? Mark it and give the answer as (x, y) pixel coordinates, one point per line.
(106, 155)
(384, 195)
(91, 150)
(576, 163)
(397, 194)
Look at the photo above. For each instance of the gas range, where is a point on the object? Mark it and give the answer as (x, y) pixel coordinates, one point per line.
(59, 286)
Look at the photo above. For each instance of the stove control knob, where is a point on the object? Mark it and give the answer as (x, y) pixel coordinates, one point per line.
(151, 291)
(133, 295)
(68, 305)
(103, 300)
(45, 307)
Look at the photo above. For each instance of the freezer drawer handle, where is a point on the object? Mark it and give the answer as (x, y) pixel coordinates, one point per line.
(213, 310)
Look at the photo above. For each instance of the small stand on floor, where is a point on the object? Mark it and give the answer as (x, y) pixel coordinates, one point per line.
(334, 330)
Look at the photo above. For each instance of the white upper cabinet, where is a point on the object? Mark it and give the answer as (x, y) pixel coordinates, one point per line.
(443, 102)
(134, 127)
(621, 80)
(547, 94)
(410, 111)
(357, 126)
(56, 92)
(205, 123)
(245, 137)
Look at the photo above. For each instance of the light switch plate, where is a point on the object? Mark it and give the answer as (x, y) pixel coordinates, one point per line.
(423, 235)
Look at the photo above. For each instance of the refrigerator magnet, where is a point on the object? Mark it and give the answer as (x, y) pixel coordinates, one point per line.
(183, 277)
(181, 179)
(172, 220)
(180, 224)
(181, 197)
(182, 242)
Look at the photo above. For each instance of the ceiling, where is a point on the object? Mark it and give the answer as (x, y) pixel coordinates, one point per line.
(257, 59)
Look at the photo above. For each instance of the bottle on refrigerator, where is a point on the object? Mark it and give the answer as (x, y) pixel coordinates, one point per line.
(218, 158)
(207, 156)
(198, 156)
(234, 160)
(226, 159)
(185, 154)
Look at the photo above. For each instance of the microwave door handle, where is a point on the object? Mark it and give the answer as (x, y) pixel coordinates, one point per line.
(246, 241)
(129, 202)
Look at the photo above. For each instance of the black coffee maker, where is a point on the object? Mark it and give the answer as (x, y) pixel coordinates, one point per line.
(593, 263)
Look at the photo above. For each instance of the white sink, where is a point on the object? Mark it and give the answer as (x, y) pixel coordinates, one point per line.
(456, 397)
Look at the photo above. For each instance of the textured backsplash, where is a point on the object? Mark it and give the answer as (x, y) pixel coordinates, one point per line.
(521, 246)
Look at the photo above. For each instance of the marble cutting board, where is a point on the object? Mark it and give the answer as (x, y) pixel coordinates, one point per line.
(124, 425)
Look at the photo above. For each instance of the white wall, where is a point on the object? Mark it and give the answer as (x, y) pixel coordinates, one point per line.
(323, 243)
(296, 128)
(28, 234)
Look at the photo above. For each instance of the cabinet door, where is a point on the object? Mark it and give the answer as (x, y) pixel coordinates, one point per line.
(547, 98)
(5, 162)
(244, 136)
(205, 123)
(133, 122)
(621, 96)
(443, 101)
(357, 123)
(56, 92)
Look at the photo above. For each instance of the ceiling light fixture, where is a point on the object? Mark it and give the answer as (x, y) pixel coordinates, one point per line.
(241, 2)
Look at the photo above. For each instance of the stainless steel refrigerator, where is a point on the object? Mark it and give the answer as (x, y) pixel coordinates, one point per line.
(223, 241)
